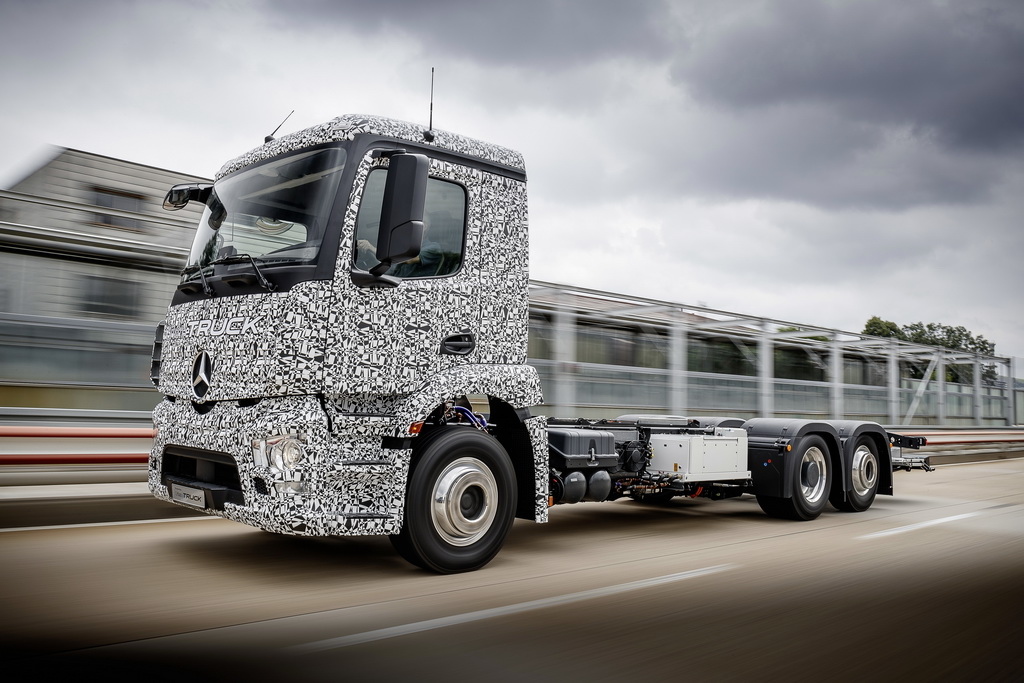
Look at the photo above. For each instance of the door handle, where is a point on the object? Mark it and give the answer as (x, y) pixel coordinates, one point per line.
(458, 344)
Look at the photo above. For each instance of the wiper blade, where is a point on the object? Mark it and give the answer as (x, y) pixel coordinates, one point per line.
(189, 286)
(242, 258)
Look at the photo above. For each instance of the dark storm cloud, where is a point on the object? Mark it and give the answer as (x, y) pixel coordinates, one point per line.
(815, 155)
(545, 34)
(866, 105)
(953, 71)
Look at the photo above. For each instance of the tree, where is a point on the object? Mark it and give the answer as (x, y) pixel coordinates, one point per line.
(816, 337)
(883, 328)
(956, 338)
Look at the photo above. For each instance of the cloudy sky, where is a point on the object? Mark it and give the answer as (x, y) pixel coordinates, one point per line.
(811, 161)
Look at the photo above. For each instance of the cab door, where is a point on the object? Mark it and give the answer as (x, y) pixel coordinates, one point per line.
(391, 339)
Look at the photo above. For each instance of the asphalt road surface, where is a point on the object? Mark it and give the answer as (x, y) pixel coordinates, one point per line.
(926, 585)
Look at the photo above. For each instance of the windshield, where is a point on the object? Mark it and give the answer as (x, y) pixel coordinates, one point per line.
(275, 212)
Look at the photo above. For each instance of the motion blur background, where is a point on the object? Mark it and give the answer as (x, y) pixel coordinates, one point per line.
(89, 261)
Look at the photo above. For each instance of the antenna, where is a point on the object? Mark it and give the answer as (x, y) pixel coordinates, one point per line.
(428, 135)
(271, 136)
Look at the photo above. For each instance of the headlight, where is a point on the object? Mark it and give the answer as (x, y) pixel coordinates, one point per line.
(286, 452)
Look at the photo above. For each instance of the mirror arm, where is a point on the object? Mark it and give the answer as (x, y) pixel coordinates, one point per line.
(179, 196)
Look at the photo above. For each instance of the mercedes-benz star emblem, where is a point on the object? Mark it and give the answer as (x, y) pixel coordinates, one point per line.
(202, 374)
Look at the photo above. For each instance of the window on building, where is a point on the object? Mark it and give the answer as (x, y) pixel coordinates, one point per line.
(118, 200)
(541, 340)
(109, 297)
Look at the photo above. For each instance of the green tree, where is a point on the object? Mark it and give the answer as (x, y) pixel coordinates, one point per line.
(816, 337)
(956, 338)
(877, 327)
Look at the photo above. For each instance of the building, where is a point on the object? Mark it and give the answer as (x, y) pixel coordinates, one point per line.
(89, 261)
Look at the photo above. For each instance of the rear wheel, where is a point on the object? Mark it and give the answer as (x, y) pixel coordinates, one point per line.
(460, 502)
(811, 483)
(863, 479)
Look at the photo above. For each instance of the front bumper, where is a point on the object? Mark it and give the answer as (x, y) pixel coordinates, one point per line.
(347, 483)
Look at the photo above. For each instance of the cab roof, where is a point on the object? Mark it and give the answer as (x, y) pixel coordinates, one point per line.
(348, 126)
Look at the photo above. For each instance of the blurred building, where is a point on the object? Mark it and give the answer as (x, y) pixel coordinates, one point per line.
(89, 261)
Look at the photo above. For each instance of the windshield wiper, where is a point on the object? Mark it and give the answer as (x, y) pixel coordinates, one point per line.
(189, 287)
(243, 279)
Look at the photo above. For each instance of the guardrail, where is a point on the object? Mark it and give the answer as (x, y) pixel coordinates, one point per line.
(39, 445)
(46, 445)
(950, 446)
(17, 416)
(953, 437)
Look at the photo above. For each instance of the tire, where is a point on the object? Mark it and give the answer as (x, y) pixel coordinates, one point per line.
(811, 481)
(864, 477)
(459, 504)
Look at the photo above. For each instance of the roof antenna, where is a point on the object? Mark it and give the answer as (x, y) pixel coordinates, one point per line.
(271, 136)
(428, 135)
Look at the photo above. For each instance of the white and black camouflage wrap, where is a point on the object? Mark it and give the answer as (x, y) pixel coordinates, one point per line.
(347, 127)
(351, 368)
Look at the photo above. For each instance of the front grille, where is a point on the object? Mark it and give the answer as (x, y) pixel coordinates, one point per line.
(203, 467)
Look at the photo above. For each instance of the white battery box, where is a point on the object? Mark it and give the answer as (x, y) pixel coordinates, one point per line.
(701, 457)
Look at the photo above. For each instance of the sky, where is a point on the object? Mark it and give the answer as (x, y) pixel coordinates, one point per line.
(812, 161)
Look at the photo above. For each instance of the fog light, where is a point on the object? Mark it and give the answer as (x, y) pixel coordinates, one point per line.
(290, 487)
(286, 452)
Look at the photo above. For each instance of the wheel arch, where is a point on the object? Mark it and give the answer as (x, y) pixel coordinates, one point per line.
(509, 426)
(771, 439)
(510, 390)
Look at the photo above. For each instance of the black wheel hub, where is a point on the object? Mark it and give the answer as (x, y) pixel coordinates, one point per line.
(810, 474)
(472, 502)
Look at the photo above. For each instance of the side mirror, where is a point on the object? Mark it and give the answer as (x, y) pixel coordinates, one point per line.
(180, 195)
(401, 217)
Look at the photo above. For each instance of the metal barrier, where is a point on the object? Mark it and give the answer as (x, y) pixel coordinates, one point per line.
(40, 445)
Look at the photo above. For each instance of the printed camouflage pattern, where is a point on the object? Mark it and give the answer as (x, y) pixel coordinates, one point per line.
(353, 485)
(372, 354)
(349, 126)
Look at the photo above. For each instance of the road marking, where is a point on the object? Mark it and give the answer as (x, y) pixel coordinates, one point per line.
(456, 619)
(96, 524)
(919, 525)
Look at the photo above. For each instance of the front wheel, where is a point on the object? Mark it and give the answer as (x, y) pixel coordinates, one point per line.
(460, 502)
(811, 483)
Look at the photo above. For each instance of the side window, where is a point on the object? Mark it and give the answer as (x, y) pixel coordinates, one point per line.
(444, 229)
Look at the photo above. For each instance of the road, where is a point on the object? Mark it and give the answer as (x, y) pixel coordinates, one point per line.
(927, 585)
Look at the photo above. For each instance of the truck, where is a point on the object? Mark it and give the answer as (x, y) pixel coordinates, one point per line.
(346, 354)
